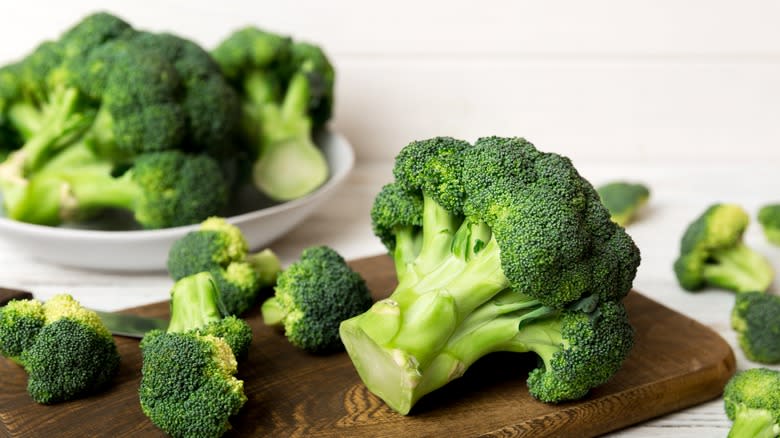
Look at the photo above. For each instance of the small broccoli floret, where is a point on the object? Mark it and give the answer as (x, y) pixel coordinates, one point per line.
(623, 200)
(313, 296)
(161, 189)
(752, 402)
(65, 349)
(287, 91)
(756, 319)
(188, 385)
(769, 218)
(498, 247)
(219, 247)
(712, 253)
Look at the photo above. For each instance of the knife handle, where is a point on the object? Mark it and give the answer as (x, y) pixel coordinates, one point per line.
(7, 295)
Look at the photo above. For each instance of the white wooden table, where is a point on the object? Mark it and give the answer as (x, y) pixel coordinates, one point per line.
(678, 195)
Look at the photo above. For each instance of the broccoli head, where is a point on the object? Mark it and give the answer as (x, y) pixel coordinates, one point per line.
(65, 349)
(712, 253)
(623, 200)
(498, 247)
(287, 92)
(220, 248)
(188, 384)
(756, 319)
(313, 296)
(769, 218)
(752, 402)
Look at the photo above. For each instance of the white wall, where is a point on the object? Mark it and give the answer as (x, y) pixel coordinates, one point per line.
(596, 80)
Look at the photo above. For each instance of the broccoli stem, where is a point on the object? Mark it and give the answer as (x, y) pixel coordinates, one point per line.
(289, 165)
(754, 423)
(739, 268)
(194, 303)
(273, 312)
(407, 246)
(25, 118)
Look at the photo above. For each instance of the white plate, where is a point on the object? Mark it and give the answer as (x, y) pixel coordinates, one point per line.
(147, 250)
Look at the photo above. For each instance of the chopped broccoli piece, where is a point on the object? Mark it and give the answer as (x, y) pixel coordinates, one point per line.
(161, 189)
(712, 253)
(65, 349)
(188, 385)
(769, 218)
(287, 91)
(313, 296)
(498, 247)
(752, 402)
(756, 319)
(219, 247)
(623, 200)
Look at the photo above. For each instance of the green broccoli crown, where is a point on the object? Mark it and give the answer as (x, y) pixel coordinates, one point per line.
(395, 208)
(591, 348)
(752, 401)
(623, 199)
(756, 319)
(65, 349)
(769, 218)
(313, 296)
(712, 253)
(219, 248)
(188, 385)
(235, 332)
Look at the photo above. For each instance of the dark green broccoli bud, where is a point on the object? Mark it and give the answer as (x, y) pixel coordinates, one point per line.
(502, 236)
(313, 296)
(712, 253)
(65, 349)
(277, 96)
(188, 385)
(769, 218)
(756, 319)
(219, 248)
(162, 189)
(623, 200)
(752, 402)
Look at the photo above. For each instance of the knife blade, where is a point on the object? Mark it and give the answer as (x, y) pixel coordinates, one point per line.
(119, 324)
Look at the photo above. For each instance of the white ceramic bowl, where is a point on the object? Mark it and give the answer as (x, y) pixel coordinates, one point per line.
(147, 250)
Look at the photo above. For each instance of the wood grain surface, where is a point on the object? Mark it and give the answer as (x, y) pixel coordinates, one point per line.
(292, 393)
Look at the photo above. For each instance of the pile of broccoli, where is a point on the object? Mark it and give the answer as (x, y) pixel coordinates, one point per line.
(188, 384)
(65, 349)
(313, 296)
(286, 90)
(752, 402)
(108, 116)
(220, 248)
(498, 247)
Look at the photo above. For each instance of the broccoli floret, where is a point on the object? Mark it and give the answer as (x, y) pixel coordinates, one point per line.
(712, 253)
(188, 384)
(219, 247)
(752, 402)
(623, 200)
(65, 349)
(756, 319)
(501, 247)
(287, 91)
(161, 189)
(313, 296)
(769, 218)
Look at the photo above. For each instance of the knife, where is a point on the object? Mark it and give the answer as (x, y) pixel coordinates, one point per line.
(119, 324)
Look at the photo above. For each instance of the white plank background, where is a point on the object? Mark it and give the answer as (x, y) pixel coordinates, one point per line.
(684, 96)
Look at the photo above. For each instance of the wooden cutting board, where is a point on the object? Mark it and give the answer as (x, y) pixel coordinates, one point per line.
(676, 363)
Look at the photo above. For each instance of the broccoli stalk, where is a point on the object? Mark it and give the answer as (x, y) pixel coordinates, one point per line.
(752, 402)
(498, 247)
(712, 253)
